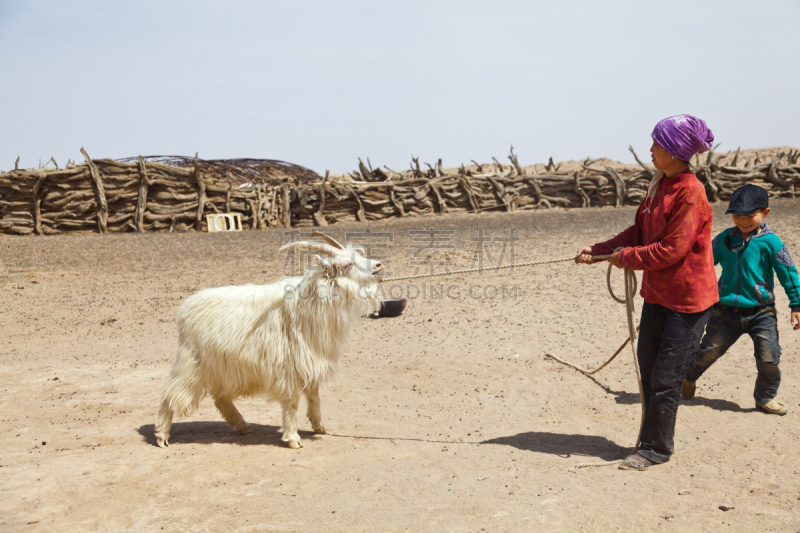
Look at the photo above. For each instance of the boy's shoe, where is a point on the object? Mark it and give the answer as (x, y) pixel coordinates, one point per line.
(772, 407)
(687, 390)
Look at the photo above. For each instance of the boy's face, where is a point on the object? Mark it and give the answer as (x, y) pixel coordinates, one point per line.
(749, 223)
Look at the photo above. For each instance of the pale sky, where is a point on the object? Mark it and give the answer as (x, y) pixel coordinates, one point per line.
(322, 83)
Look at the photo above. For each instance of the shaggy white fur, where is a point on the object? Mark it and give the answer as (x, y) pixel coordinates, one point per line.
(281, 340)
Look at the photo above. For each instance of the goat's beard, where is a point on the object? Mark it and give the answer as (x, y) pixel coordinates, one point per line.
(363, 297)
(354, 295)
(372, 296)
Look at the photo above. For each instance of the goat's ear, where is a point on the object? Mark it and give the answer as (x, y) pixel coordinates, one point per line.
(358, 248)
(323, 263)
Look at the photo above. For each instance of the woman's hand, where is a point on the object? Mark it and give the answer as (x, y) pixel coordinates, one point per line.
(795, 320)
(584, 255)
(614, 260)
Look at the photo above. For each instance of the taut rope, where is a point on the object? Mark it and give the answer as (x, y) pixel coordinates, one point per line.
(630, 293)
(479, 269)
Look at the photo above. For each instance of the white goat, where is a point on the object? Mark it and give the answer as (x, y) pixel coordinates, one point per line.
(281, 340)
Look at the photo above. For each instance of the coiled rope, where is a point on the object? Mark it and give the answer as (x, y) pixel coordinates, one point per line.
(630, 292)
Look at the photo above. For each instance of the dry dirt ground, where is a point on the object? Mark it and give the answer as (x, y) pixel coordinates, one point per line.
(448, 418)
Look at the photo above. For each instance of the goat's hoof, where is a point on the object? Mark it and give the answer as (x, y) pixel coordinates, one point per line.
(162, 442)
(294, 444)
(320, 431)
(245, 430)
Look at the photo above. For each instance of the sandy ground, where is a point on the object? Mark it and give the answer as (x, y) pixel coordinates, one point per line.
(448, 418)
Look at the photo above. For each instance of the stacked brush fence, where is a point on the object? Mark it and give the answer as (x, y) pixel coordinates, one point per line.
(172, 193)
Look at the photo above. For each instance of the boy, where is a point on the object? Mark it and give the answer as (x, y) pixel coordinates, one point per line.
(749, 253)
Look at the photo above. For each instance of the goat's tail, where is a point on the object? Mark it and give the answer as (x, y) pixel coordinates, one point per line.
(183, 390)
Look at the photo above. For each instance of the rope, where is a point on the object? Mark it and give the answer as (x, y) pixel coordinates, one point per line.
(479, 269)
(630, 292)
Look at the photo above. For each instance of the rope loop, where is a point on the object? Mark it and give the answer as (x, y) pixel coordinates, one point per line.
(631, 286)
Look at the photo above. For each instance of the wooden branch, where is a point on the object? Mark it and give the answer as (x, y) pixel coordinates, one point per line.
(141, 202)
(273, 206)
(710, 154)
(537, 191)
(619, 187)
(37, 204)
(100, 194)
(319, 216)
(645, 167)
(502, 195)
(584, 197)
(498, 165)
(287, 207)
(365, 173)
(734, 162)
(712, 189)
(201, 194)
(415, 167)
(360, 212)
(442, 204)
(397, 205)
(465, 184)
(515, 161)
(253, 215)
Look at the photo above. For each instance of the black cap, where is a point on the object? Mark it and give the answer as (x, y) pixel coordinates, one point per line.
(748, 199)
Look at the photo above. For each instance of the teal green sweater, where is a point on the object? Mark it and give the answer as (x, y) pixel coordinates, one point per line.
(747, 268)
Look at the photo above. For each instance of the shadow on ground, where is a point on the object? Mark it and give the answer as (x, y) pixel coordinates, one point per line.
(717, 404)
(564, 445)
(630, 398)
(218, 432)
(621, 397)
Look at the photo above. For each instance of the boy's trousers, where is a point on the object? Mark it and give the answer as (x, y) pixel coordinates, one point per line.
(725, 327)
(668, 341)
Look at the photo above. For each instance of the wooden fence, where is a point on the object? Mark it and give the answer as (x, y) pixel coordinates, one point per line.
(104, 195)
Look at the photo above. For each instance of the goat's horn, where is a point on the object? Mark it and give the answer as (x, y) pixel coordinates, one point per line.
(311, 247)
(330, 240)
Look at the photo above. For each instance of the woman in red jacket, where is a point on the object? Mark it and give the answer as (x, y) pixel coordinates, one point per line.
(671, 242)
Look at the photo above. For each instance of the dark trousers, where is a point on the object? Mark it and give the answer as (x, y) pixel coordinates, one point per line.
(725, 327)
(668, 341)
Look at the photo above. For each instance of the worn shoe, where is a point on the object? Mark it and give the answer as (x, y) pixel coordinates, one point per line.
(687, 390)
(636, 462)
(772, 407)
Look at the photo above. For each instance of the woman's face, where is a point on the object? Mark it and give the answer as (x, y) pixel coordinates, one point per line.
(660, 157)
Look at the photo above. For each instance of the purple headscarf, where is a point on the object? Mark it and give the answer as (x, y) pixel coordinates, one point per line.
(683, 136)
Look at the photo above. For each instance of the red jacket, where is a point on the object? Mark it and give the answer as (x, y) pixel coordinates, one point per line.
(671, 242)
